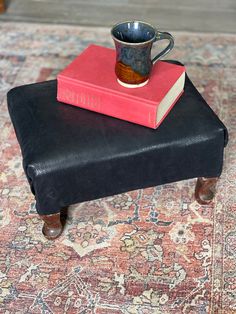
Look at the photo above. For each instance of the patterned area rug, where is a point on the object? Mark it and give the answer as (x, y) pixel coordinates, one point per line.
(147, 251)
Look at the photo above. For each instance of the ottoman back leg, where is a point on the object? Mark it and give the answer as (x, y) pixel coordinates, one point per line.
(2, 6)
(205, 190)
(52, 227)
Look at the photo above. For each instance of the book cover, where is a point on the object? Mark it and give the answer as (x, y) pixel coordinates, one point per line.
(90, 82)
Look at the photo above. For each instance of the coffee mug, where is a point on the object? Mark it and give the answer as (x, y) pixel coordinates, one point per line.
(133, 41)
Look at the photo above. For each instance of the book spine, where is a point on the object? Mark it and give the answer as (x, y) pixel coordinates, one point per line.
(110, 104)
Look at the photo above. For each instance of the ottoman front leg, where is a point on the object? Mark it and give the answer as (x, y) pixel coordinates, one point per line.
(205, 190)
(52, 227)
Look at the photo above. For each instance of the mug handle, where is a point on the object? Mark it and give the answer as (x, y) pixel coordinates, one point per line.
(160, 36)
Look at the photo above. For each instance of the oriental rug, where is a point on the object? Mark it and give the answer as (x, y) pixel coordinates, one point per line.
(148, 251)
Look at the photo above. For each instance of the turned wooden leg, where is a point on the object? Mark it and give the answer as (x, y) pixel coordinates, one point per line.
(205, 190)
(2, 6)
(52, 227)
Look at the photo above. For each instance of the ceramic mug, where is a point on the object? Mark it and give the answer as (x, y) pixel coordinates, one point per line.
(133, 42)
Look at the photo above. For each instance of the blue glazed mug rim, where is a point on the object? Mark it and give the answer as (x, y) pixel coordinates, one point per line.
(133, 43)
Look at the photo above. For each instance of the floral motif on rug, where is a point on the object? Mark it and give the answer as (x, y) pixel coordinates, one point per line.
(154, 250)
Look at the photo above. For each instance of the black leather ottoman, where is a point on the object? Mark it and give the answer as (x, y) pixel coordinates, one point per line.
(72, 155)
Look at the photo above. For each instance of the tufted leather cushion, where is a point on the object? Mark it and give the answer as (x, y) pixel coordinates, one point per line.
(72, 155)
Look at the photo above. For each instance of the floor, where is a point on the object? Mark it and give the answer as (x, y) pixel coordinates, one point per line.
(199, 15)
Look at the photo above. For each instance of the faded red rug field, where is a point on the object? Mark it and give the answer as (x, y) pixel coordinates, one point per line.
(147, 251)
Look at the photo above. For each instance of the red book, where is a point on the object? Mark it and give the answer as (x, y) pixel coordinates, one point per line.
(90, 82)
